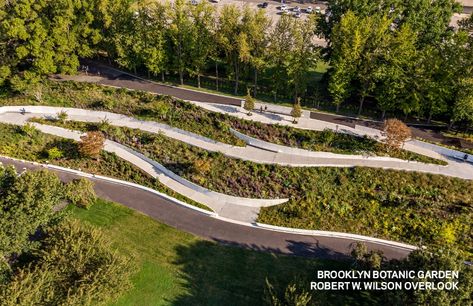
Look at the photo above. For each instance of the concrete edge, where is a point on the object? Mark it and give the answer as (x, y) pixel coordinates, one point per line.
(262, 226)
(116, 181)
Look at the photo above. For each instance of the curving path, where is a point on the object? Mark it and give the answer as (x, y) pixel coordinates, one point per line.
(455, 168)
(221, 231)
(235, 208)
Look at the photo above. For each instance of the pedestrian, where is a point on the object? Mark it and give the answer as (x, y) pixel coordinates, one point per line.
(465, 158)
(261, 108)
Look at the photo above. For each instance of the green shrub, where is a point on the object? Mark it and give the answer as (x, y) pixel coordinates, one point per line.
(80, 192)
(55, 153)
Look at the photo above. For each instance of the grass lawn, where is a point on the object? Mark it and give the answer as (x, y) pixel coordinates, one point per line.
(176, 268)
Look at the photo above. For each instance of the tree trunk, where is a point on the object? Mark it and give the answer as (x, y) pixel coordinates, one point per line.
(383, 115)
(181, 76)
(237, 76)
(162, 76)
(275, 96)
(256, 83)
(216, 74)
(430, 118)
(149, 75)
(338, 108)
(405, 118)
(361, 105)
(198, 80)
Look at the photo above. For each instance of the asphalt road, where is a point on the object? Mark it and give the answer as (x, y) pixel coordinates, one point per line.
(114, 77)
(207, 227)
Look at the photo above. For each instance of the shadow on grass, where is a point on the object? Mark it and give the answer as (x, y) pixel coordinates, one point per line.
(229, 273)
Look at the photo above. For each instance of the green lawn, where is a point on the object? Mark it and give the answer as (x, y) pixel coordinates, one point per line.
(176, 268)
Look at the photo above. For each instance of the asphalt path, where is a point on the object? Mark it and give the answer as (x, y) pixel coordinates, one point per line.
(114, 77)
(211, 228)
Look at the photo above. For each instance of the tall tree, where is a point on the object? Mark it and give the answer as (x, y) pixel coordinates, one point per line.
(181, 29)
(255, 25)
(279, 47)
(203, 45)
(231, 39)
(44, 37)
(303, 55)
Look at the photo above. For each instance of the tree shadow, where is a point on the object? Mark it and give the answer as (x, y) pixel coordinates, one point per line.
(229, 273)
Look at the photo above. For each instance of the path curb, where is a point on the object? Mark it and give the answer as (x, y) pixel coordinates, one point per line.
(394, 244)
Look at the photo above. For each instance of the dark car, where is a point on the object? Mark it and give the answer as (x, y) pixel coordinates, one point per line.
(264, 5)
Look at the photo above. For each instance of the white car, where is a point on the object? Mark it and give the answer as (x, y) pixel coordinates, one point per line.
(296, 9)
(297, 15)
(318, 10)
(283, 7)
(309, 10)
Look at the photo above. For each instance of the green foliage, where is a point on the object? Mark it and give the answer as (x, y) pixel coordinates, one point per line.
(44, 37)
(54, 153)
(392, 204)
(62, 116)
(249, 103)
(293, 295)
(296, 111)
(73, 266)
(29, 130)
(26, 202)
(80, 192)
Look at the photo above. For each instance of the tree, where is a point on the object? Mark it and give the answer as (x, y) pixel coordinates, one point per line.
(249, 103)
(463, 107)
(396, 132)
(73, 265)
(255, 25)
(296, 111)
(26, 202)
(347, 45)
(203, 45)
(80, 192)
(153, 22)
(91, 144)
(44, 37)
(181, 31)
(231, 40)
(279, 47)
(302, 56)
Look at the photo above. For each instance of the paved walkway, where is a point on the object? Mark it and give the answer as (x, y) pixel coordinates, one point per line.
(221, 231)
(106, 75)
(454, 168)
(235, 208)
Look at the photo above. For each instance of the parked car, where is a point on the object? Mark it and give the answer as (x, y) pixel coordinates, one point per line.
(318, 10)
(309, 10)
(296, 9)
(215, 1)
(297, 15)
(283, 7)
(264, 5)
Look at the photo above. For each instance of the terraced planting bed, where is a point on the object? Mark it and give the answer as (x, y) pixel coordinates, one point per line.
(405, 206)
(14, 142)
(191, 118)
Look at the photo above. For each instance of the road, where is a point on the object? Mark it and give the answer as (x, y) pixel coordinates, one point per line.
(105, 75)
(207, 227)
